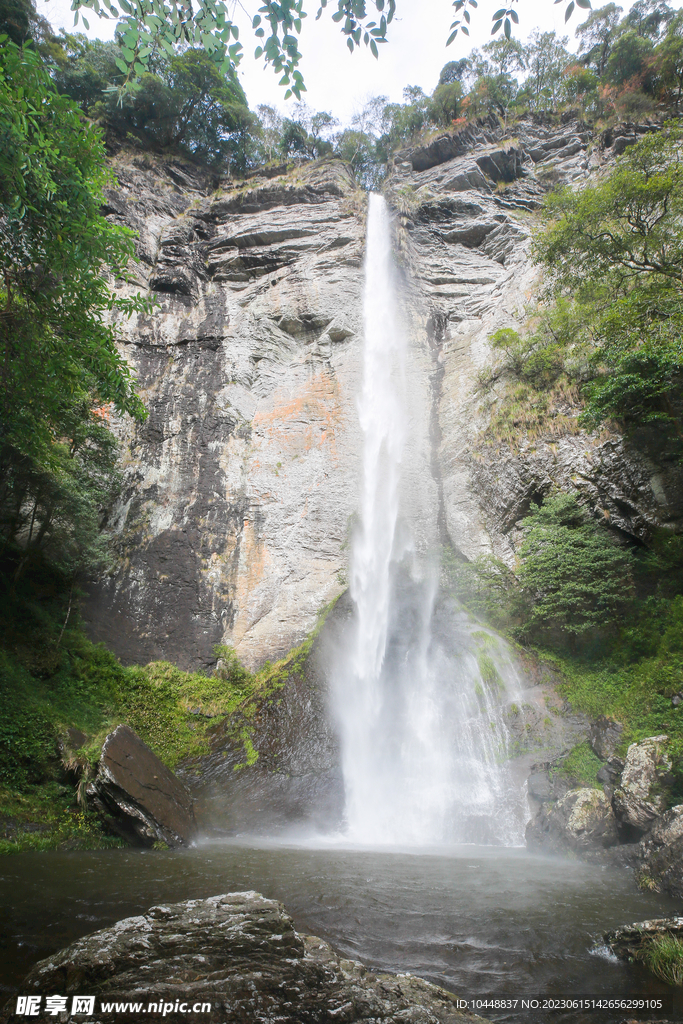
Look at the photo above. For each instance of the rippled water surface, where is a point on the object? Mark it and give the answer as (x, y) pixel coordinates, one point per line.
(480, 921)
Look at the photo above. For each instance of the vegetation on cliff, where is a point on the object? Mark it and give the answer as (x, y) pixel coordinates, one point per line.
(59, 697)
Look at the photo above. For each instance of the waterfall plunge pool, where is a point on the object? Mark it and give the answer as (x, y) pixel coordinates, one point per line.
(481, 921)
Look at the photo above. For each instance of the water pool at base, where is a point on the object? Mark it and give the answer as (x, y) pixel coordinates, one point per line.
(481, 921)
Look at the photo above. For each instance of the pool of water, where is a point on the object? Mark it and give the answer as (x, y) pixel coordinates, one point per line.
(480, 921)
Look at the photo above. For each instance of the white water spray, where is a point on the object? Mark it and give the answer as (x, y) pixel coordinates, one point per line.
(419, 696)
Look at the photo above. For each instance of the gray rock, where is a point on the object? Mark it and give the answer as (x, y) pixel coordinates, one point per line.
(610, 772)
(582, 820)
(239, 953)
(138, 796)
(660, 854)
(635, 803)
(605, 736)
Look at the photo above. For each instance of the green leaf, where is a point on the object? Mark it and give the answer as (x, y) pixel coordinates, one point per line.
(499, 15)
(507, 28)
(465, 30)
(515, 17)
(373, 48)
(496, 27)
(570, 10)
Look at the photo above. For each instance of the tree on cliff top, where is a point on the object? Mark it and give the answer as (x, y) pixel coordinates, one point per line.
(148, 27)
(615, 251)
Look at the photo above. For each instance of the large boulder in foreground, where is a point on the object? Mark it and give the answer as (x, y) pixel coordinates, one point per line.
(239, 953)
(138, 797)
(581, 821)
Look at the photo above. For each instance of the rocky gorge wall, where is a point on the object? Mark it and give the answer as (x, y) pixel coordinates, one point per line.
(241, 487)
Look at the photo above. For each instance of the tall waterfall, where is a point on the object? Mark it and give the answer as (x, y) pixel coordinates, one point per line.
(420, 693)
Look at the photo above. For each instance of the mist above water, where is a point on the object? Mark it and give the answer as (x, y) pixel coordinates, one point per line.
(419, 693)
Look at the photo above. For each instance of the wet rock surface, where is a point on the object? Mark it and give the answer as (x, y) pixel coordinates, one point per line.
(138, 797)
(582, 820)
(238, 952)
(241, 486)
(289, 773)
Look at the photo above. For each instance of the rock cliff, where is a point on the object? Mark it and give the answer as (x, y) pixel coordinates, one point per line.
(241, 487)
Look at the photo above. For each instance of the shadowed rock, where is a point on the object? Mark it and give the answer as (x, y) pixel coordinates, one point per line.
(661, 854)
(240, 954)
(604, 737)
(582, 820)
(138, 796)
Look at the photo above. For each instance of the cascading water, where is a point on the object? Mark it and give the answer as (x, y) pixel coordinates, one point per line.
(419, 693)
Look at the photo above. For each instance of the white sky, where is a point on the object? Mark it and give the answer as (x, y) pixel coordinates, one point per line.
(338, 81)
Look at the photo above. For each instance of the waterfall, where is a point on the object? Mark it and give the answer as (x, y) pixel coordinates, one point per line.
(420, 693)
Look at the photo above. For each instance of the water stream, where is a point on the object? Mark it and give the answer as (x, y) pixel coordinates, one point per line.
(419, 702)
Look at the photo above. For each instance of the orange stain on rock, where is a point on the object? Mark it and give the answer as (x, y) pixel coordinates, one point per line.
(299, 420)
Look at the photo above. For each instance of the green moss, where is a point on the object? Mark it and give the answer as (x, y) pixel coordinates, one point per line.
(489, 673)
(581, 766)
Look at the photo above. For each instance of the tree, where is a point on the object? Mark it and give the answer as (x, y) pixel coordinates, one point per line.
(648, 17)
(454, 71)
(668, 59)
(547, 60)
(87, 70)
(615, 250)
(576, 577)
(597, 34)
(445, 105)
(188, 106)
(628, 57)
(58, 356)
(271, 129)
(148, 26)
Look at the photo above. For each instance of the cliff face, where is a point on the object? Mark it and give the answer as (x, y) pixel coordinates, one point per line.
(241, 486)
(469, 206)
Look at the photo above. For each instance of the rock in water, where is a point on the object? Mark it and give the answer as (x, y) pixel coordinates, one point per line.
(582, 820)
(660, 854)
(138, 796)
(239, 953)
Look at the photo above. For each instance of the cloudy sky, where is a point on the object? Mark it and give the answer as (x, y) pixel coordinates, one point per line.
(338, 81)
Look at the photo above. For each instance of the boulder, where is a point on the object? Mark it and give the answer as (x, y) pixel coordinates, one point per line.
(138, 797)
(604, 737)
(635, 802)
(238, 953)
(660, 854)
(581, 820)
